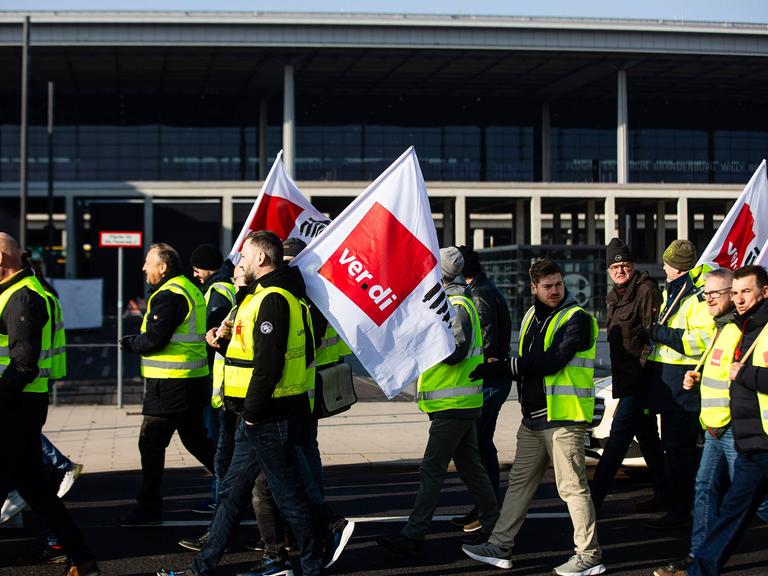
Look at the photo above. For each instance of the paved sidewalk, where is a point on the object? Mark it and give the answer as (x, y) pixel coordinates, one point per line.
(105, 438)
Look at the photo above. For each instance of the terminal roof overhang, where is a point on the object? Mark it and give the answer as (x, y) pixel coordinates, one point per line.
(359, 55)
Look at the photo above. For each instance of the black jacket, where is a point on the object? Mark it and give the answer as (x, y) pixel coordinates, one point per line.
(628, 315)
(23, 320)
(163, 396)
(218, 306)
(748, 432)
(530, 368)
(270, 341)
(495, 320)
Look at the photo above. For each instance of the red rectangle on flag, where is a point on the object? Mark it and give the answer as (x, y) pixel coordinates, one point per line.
(379, 264)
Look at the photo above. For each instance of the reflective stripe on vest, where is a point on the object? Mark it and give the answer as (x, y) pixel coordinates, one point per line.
(760, 359)
(715, 380)
(40, 383)
(446, 387)
(58, 350)
(693, 317)
(238, 364)
(571, 391)
(185, 355)
(226, 289)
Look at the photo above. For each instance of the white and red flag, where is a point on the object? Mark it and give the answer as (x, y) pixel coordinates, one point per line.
(281, 208)
(375, 274)
(743, 236)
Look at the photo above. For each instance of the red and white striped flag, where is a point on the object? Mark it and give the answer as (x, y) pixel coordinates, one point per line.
(742, 238)
(281, 208)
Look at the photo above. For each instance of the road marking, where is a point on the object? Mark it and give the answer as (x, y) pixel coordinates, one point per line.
(362, 519)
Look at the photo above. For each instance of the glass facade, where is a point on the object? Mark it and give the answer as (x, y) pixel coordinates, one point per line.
(460, 153)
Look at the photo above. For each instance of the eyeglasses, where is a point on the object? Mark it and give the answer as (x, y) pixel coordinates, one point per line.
(715, 294)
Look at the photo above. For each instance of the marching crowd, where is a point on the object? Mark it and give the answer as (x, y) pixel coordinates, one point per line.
(239, 370)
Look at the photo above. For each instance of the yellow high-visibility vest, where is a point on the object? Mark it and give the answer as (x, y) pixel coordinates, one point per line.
(445, 386)
(571, 391)
(40, 383)
(185, 355)
(692, 315)
(238, 361)
(715, 386)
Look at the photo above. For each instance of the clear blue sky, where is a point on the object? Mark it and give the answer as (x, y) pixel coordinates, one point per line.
(689, 10)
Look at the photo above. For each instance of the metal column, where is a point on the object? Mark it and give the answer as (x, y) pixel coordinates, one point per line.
(71, 241)
(149, 222)
(227, 222)
(682, 218)
(610, 219)
(622, 130)
(460, 223)
(661, 232)
(536, 220)
(24, 137)
(289, 123)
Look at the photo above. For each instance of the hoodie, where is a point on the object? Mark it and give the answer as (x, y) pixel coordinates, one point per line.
(530, 368)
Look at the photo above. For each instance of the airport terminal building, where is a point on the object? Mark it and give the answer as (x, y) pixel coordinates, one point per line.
(530, 131)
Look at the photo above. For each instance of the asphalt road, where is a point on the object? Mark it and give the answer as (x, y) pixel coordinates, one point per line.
(379, 498)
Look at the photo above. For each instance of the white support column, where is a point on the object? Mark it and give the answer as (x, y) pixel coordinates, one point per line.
(591, 223)
(622, 131)
(289, 122)
(227, 222)
(71, 236)
(682, 218)
(263, 124)
(661, 222)
(460, 221)
(536, 220)
(519, 221)
(149, 222)
(610, 218)
(546, 157)
(478, 239)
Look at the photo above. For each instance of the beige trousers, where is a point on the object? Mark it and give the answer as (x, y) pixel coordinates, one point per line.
(564, 447)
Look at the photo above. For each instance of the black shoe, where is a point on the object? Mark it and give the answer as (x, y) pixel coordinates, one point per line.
(195, 544)
(337, 539)
(140, 517)
(269, 567)
(259, 546)
(468, 518)
(53, 555)
(682, 564)
(400, 544)
(479, 537)
(655, 504)
(670, 520)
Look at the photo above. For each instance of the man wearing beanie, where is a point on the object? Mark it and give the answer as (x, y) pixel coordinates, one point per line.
(453, 403)
(633, 305)
(215, 277)
(496, 326)
(679, 338)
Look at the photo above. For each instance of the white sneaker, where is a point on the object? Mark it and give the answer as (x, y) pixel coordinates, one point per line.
(580, 565)
(69, 479)
(13, 504)
(490, 554)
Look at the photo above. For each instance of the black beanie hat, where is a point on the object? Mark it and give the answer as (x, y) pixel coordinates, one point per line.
(292, 247)
(472, 265)
(618, 251)
(206, 257)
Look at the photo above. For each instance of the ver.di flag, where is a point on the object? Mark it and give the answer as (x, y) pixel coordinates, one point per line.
(375, 274)
(281, 208)
(741, 237)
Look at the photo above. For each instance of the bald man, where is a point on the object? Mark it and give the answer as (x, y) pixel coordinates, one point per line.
(25, 331)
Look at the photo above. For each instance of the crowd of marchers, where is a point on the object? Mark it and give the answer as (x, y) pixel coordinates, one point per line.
(238, 367)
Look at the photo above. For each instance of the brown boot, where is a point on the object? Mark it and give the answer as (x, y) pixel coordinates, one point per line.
(90, 568)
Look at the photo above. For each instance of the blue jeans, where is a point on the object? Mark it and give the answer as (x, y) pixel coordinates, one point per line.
(718, 457)
(53, 458)
(749, 473)
(629, 421)
(262, 447)
(225, 445)
(311, 467)
(495, 393)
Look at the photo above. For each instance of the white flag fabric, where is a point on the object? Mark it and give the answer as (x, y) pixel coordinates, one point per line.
(281, 208)
(743, 235)
(375, 274)
(762, 258)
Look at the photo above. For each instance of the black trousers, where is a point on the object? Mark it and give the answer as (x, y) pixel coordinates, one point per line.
(20, 429)
(156, 434)
(679, 436)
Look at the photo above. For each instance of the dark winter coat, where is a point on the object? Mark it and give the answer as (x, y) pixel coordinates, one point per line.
(637, 308)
